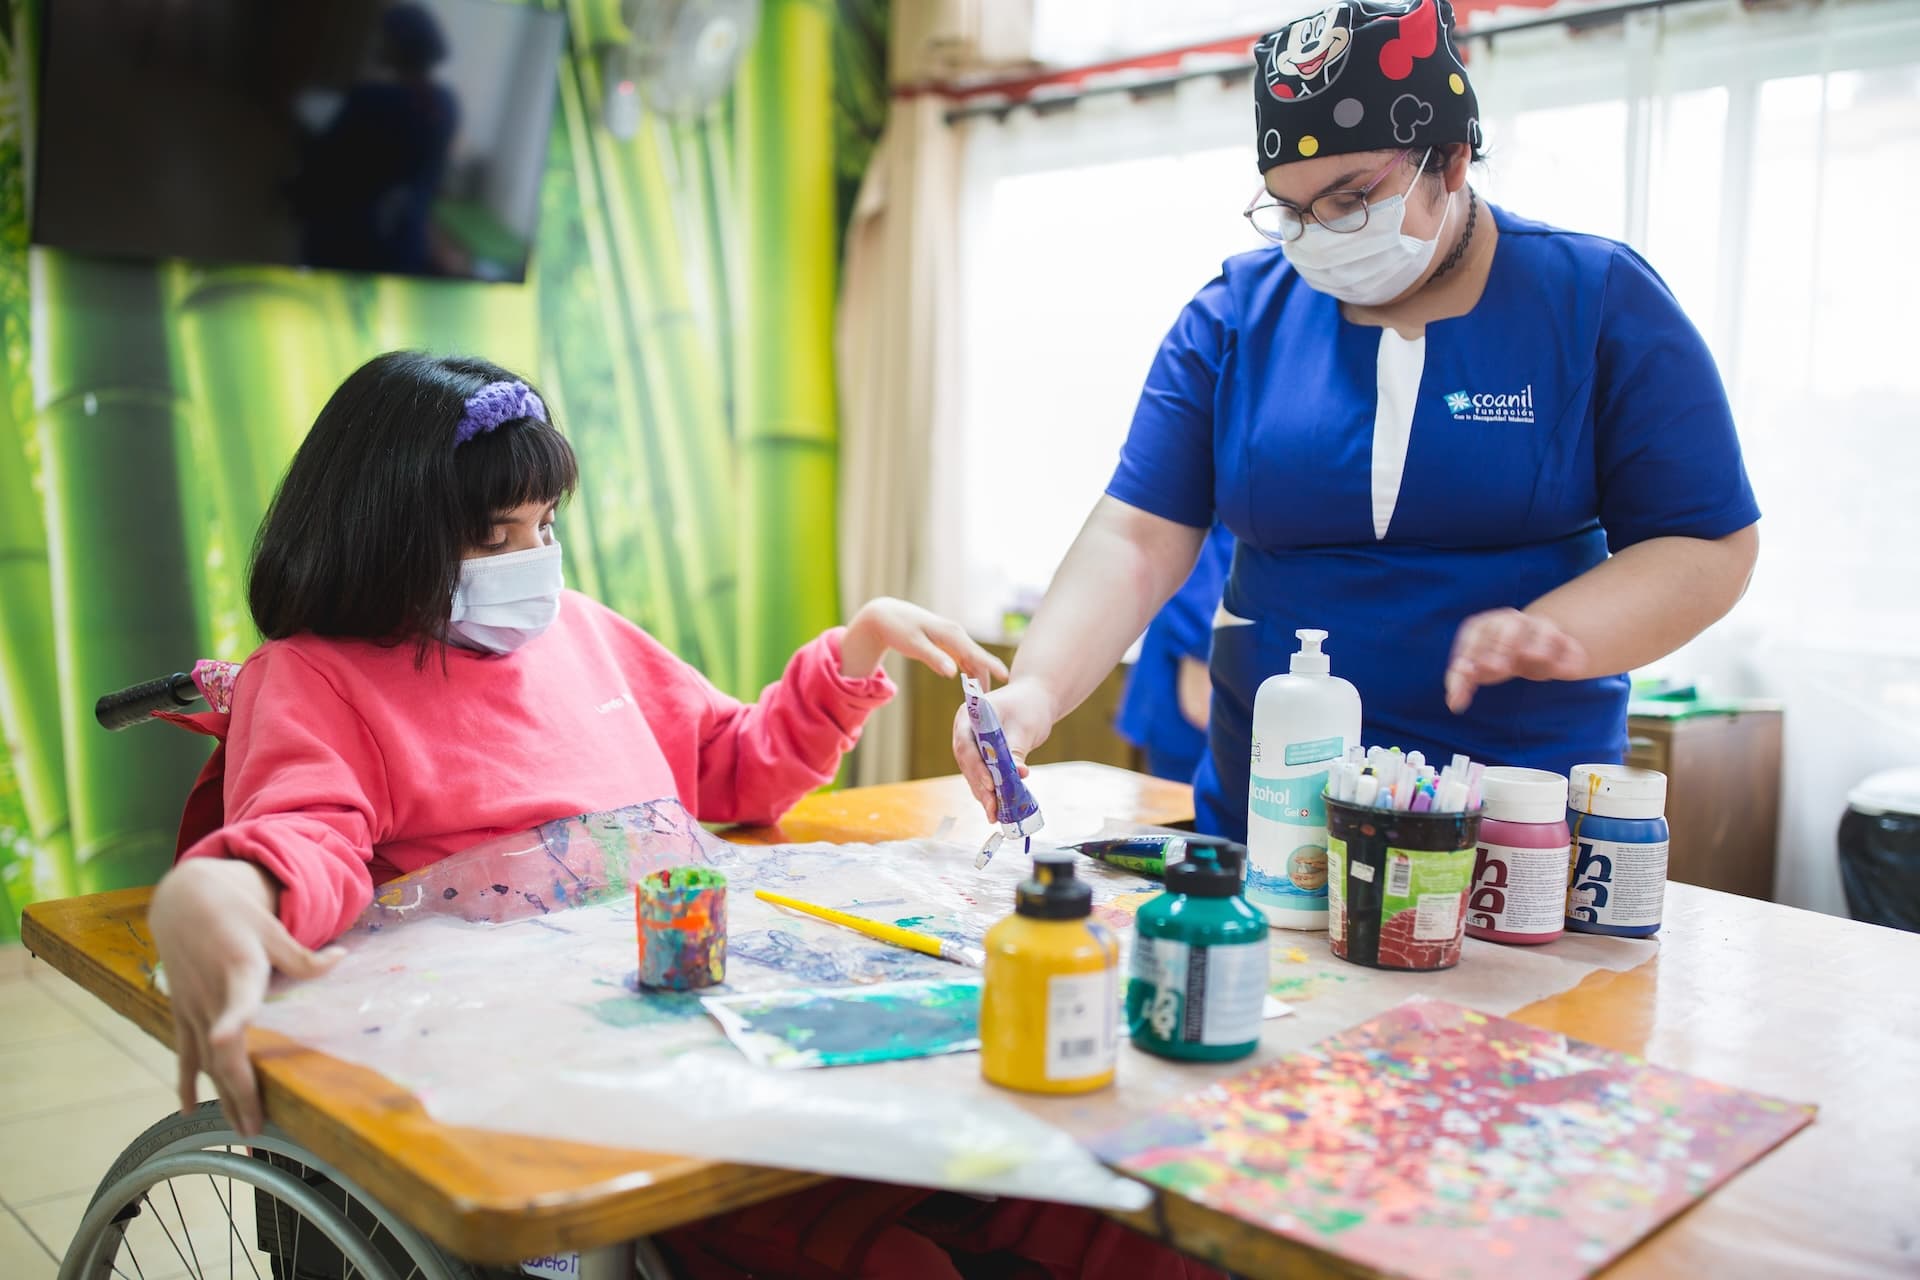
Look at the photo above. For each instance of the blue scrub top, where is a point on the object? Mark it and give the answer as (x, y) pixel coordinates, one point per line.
(1386, 490)
(1150, 715)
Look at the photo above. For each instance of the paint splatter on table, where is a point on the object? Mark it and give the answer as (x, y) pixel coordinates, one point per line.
(1438, 1143)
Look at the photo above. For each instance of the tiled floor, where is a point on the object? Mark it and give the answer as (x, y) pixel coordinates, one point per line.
(77, 1083)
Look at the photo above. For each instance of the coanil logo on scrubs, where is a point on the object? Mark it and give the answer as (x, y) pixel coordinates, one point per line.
(1509, 406)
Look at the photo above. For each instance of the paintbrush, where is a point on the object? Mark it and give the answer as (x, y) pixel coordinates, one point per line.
(925, 943)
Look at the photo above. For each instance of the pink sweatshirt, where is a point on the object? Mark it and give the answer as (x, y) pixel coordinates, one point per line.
(346, 766)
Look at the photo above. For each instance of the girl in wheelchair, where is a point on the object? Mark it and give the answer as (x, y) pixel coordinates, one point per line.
(427, 683)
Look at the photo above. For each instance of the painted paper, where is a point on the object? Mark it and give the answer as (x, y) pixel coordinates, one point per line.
(852, 1026)
(1437, 1143)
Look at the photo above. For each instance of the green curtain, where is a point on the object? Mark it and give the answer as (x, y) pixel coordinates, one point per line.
(784, 181)
(678, 314)
(124, 609)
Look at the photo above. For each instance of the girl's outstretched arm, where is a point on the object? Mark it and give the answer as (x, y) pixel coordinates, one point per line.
(753, 761)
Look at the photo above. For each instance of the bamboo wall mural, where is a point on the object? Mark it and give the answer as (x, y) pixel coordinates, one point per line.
(678, 313)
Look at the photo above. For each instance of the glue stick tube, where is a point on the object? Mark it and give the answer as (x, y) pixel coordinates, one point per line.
(1014, 807)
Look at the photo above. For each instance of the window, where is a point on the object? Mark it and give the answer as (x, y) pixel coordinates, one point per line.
(1074, 272)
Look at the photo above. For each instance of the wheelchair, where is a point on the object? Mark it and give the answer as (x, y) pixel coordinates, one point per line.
(176, 1202)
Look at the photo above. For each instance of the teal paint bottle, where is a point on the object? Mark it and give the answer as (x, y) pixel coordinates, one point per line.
(1198, 983)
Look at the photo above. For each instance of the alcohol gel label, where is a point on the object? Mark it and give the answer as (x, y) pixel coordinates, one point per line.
(1298, 801)
(1299, 753)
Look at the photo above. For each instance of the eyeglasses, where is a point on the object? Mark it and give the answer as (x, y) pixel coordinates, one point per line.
(1343, 211)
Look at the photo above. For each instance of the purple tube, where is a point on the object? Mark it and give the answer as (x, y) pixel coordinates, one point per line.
(1014, 807)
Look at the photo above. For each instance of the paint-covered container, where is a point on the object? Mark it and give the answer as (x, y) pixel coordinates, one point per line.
(1397, 885)
(681, 914)
(1198, 981)
(1520, 872)
(1618, 850)
(1050, 1004)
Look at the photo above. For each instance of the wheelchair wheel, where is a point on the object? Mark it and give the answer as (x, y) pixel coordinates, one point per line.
(192, 1197)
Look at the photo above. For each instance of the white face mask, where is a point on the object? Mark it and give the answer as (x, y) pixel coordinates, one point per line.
(502, 602)
(1370, 266)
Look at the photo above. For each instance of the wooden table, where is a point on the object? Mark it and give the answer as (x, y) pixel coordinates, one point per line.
(1804, 1006)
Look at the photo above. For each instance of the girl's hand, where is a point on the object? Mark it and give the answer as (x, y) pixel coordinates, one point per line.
(1026, 717)
(213, 921)
(925, 637)
(1506, 644)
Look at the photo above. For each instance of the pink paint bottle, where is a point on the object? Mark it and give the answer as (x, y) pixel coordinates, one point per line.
(1520, 878)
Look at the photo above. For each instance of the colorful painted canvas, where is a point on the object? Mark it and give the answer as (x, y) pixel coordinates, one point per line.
(849, 1026)
(1437, 1143)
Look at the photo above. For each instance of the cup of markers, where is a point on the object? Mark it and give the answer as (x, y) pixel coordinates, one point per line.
(1402, 837)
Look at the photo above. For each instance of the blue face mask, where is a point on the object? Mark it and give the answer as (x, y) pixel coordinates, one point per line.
(504, 602)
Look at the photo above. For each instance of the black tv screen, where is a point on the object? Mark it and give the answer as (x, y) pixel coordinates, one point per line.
(404, 136)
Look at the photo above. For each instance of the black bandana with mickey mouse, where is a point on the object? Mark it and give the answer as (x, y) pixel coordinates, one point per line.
(1362, 75)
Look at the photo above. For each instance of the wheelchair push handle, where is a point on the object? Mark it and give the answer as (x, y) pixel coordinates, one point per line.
(128, 707)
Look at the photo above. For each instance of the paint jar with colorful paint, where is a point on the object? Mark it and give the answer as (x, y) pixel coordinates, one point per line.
(1397, 884)
(1050, 1004)
(1618, 881)
(682, 917)
(1199, 981)
(1520, 876)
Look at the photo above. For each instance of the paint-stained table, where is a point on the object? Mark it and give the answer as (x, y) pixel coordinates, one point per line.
(1785, 1002)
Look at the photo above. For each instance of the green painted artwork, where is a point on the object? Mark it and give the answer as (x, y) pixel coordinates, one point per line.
(849, 1026)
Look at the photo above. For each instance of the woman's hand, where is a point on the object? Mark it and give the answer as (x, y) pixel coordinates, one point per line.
(213, 921)
(1026, 717)
(1506, 644)
(924, 636)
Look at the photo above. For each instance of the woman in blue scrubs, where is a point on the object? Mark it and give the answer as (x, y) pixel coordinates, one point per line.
(1493, 459)
(1164, 710)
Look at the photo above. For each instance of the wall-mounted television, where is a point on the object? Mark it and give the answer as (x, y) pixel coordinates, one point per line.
(403, 136)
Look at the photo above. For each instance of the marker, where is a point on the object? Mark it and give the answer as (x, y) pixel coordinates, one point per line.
(925, 943)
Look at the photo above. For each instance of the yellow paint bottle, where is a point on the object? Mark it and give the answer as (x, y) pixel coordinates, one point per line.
(1050, 1007)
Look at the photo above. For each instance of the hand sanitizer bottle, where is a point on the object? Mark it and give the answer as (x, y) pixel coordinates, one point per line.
(1302, 722)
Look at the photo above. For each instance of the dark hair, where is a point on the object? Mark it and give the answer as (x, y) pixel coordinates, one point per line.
(1441, 155)
(366, 534)
(414, 40)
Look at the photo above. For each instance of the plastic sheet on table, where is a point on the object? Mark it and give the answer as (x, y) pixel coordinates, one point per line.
(497, 985)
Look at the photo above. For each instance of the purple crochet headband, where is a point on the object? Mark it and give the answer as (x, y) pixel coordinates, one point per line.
(495, 403)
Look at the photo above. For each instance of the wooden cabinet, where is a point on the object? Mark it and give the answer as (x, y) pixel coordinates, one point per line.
(1723, 794)
(1087, 734)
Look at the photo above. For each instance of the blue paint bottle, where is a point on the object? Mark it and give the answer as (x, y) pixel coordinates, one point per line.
(1617, 874)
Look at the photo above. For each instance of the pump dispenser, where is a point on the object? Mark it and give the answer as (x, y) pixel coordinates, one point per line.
(1302, 722)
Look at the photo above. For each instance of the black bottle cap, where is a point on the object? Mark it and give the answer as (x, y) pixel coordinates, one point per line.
(1201, 875)
(1054, 893)
(1234, 858)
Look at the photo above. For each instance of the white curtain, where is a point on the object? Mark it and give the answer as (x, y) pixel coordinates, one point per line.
(1766, 162)
(898, 339)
